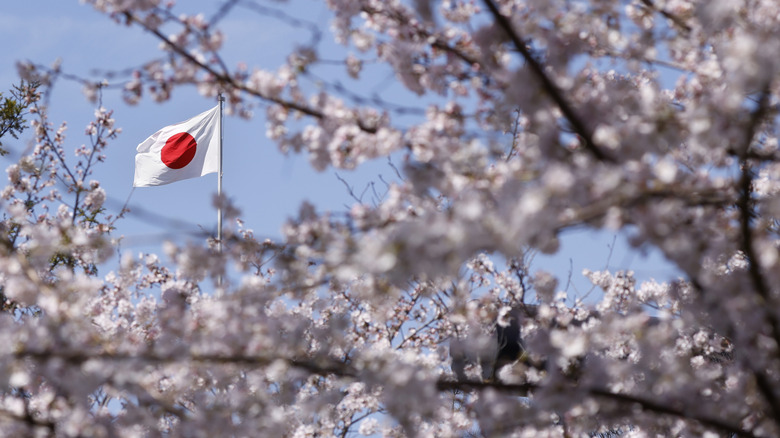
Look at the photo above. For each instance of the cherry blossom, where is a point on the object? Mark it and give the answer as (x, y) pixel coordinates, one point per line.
(529, 118)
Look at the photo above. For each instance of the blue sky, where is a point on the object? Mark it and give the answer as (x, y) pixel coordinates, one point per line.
(267, 186)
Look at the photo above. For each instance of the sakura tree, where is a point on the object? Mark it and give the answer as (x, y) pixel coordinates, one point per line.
(532, 117)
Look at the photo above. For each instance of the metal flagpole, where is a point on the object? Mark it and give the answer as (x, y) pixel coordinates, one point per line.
(219, 185)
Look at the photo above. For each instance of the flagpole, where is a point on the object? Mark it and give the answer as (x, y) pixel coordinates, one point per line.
(219, 185)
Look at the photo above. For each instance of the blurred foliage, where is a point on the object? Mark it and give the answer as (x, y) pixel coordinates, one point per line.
(13, 110)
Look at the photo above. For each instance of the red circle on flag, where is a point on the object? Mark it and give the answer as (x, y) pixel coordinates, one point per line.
(179, 150)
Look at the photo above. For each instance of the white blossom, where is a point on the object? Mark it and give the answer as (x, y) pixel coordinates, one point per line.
(652, 119)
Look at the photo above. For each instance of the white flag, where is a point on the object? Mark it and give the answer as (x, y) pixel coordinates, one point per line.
(185, 150)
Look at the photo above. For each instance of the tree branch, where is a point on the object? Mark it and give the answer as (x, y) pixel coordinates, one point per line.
(548, 86)
(645, 404)
(224, 78)
(341, 369)
(666, 409)
(668, 15)
(422, 33)
(748, 248)
(596, 209)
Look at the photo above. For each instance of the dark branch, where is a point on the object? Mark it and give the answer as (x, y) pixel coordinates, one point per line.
(626, 399)
(665, 408)
(747, 246)
(578, 125)
(223, 11)
(596, 209)
(332, 366)
(668, 15)
(421, 32)
(225, 79)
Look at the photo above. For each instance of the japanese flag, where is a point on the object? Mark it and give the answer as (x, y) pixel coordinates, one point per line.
(185, 150)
